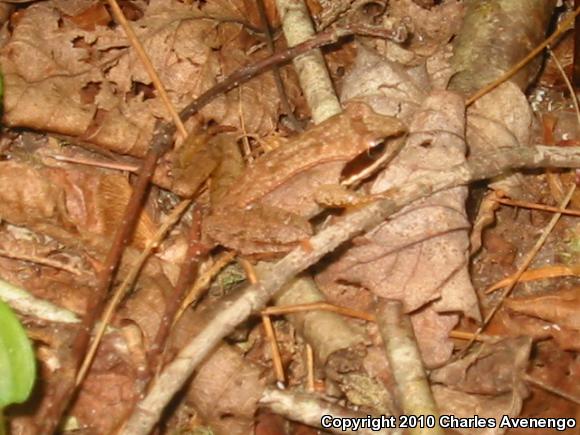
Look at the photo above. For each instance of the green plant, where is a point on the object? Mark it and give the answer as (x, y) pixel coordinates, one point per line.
(17, 364)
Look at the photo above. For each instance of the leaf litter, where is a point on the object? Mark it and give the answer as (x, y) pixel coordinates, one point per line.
(71, 74)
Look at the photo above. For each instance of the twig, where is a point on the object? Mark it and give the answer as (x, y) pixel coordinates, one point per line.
(322, 306)
(310, 67)
(464, 335)
(93, 162)
(202, 281)
(255, 297)
(276, 359)
(247, 149)
(356, 314)
(554, 271)
(551, 389)
(310, 368)
(525, 264)
(563, 27)
(276, 70)
(249, 270)
(122, 290)
(534, 206)
(406, 365)
(151, 72)
(195, 253)
(567, 81)
(309, 409)
(42, 261)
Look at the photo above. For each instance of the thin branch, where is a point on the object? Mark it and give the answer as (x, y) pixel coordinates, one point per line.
(310, 368)
(552, 271)
(24, 302)
(151, 72)
(43, 262)
(553, 390)
(296, 125)
(571, 89)
(355, 314)
(127, 283)
(195, 253)
(310, 410)
(321, 306)
(534, 206)
(414, 392)
(254, 298)
(94, 162)
(203, 281)
(275, 349)
(311, 68)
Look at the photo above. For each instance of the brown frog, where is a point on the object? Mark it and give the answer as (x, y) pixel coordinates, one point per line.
(267, 209)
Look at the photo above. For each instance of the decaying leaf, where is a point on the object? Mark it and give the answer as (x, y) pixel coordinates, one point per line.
(388, 87)
(72, 205)
(494, 373)
(63, 79)
(420, 255)
(502, 118)
(430, 27)
(226, 388)
(560, 307)
(541, 317)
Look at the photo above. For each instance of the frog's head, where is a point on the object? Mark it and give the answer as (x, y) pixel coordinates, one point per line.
(374, 127)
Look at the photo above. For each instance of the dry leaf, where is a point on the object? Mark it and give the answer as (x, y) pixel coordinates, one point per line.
(74, 206)
(502, 118)
(486, 383)
(430, 28)
(491, 369)
(561, 307)
(63, 79)
(420, 255)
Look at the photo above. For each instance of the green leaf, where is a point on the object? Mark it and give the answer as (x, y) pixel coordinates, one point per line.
(17, 364)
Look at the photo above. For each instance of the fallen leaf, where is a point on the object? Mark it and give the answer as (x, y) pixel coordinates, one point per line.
(486, 383)
(560, 308)
(501, 118)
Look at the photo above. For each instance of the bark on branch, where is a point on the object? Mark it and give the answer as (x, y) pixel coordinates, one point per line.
(255, 297)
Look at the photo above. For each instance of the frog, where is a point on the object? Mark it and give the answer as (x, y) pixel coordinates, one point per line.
(267, 210)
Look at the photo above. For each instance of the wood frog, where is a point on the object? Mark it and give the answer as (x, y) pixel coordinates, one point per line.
(267, 209)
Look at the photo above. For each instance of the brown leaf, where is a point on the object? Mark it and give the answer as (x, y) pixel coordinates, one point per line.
(430, 28)
(226, 387)
(502, 118)
(388, 87)
(491, 369)
(462, 405)
(72, 205)
(50, 63)
(486, 383)
(561, 307)
(507, 323)
(420, 255)
(94, 15)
